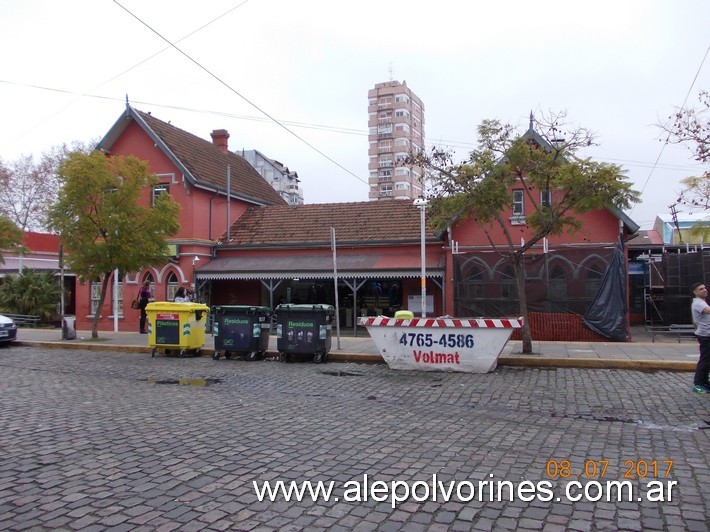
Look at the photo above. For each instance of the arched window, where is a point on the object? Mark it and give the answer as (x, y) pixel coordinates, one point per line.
(473, 283)
(557, 285)
(508, 286)
(171, 287)
(594, 281)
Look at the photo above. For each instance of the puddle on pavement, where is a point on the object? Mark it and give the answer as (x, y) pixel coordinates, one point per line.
(342, 373)
(644, 424)
(186, 381)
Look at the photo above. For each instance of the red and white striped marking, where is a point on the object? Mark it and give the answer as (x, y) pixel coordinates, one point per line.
(383, 321)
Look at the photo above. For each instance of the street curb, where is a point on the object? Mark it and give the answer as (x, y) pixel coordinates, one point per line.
(526, 361)
(597, 363)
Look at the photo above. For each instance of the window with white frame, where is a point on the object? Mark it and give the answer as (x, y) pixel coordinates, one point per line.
(401, 186)
(162, 188)
(401, 98)
(95, 296)
(401, 113)
(386, 174)
(118, 292)
(401, 171)
(385, 190)
(401, 142)
(518, 203)
(545, 198)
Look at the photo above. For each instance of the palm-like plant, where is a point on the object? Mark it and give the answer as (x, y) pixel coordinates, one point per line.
(30, 292)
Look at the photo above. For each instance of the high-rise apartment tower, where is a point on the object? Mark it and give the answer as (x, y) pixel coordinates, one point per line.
(396, 129)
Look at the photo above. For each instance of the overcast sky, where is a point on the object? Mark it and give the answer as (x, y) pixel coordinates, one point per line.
(290, 78)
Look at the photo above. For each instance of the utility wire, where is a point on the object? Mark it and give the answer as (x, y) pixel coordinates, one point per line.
(234, 91)
(321, 127)
(668, 136)
(58, 111)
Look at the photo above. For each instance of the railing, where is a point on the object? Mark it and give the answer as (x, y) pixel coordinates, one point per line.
(23, 320)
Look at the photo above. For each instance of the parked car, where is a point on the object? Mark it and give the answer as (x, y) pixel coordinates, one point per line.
(8, 330)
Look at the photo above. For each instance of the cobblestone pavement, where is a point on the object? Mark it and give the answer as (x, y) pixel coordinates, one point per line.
(95, 440)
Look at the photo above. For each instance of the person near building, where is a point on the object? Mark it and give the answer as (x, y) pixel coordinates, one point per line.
(144, 297)
(191, 294)
(181, 296)
(701, 318)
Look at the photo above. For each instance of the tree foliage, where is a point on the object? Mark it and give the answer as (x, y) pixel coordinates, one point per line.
(28, 188)
(30, 292)
(102, 222)
(10, 236)
(543, 159)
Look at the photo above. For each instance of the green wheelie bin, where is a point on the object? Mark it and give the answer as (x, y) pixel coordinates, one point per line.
(304, 329)
(241, 330)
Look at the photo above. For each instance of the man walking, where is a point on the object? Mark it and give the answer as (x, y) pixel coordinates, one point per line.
(701, 318)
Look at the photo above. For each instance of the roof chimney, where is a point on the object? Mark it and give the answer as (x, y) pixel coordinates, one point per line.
(220, 138)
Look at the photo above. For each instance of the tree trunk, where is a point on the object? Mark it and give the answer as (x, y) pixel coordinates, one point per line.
(97, 314)
(519, 269)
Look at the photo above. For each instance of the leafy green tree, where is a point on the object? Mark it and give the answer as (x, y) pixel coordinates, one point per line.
(30, 292)
(10, 236)
(102, 222)
(544, 160)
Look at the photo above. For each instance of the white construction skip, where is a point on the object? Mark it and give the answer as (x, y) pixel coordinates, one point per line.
(469, 345)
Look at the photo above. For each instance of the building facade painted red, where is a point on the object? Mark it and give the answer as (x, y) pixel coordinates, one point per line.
(212, 185)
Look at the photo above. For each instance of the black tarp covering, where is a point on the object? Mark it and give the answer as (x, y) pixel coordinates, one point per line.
(607, 313)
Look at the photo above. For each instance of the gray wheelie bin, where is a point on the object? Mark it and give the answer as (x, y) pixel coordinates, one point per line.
(241, 330)
(304, 329)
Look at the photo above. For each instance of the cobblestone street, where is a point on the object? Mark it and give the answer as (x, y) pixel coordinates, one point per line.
(97, 440)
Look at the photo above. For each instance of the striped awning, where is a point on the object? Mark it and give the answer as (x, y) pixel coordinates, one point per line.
(311, 266)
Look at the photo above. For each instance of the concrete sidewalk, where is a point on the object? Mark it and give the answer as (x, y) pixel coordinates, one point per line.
(641, 354)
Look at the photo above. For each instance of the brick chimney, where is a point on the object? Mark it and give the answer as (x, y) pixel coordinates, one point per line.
(220, 138)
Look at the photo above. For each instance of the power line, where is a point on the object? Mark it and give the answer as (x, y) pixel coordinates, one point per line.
(234, 91)
(321, 127)
(128, 70)
(663, 146)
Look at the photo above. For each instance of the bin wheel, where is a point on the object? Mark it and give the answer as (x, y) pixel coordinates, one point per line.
(198, 352)
(215, 355)
(253, 356)
(182, 353)
(227, 355)
(285, 357)
(153, 351)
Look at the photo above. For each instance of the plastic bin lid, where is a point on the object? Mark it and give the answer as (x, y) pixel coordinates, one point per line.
(171, 306)
(240, 308)
(305, 308)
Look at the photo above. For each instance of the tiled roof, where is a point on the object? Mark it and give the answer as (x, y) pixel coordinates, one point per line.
(202, 162)
(207, 163)
(364, 222)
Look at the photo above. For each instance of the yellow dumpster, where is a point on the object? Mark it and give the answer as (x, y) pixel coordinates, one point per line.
(178, 328)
